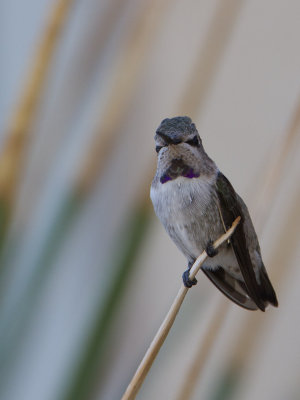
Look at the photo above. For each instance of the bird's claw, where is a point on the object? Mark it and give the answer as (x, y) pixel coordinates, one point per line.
(210, 249)
(186, 279)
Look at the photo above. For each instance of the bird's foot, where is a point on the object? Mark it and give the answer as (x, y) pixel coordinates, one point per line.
(210, 249)
(186, 278)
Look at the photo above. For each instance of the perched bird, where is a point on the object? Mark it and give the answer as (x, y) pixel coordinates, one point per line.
(196, 204)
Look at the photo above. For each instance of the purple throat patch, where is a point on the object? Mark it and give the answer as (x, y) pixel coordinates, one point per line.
(176, 169)
(190, 173)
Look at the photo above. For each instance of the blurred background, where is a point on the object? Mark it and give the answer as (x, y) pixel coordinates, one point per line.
(84, 85)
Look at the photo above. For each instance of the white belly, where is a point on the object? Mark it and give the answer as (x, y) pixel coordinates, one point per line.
(188, 211)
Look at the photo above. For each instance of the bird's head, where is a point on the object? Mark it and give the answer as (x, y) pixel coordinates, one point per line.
(177, 131)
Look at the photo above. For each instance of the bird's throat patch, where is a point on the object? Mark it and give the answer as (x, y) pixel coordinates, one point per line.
(178, 168)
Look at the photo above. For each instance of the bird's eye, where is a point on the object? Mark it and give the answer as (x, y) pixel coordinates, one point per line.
(194, 141)
(157, 148)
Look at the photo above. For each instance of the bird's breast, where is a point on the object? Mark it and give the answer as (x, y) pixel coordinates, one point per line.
(188, 211)
(181, 199)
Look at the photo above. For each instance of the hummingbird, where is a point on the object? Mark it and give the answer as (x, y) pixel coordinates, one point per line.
(196, 204)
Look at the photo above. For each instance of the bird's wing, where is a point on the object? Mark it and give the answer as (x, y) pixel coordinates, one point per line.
(233, 288)
(230, 209)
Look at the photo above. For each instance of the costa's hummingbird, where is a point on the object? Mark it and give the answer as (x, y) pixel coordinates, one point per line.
(196, 203)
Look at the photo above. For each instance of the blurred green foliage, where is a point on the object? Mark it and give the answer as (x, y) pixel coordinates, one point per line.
(89, 364)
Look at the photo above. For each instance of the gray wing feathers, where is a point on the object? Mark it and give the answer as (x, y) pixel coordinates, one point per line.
(256, 285)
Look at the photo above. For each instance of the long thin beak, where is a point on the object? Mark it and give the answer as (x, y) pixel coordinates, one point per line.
(167, 139)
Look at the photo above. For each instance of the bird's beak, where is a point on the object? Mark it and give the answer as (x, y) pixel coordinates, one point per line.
(167, 138)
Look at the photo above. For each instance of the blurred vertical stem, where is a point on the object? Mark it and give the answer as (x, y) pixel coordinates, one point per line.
(225, 389)
(273, 171)
(124, 83)
(86, 372)
(209, 57)
(17, 137)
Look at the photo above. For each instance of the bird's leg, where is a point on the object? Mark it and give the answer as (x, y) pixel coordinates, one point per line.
(210, 250)
(186, 277)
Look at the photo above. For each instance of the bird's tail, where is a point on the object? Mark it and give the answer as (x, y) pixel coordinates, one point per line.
(267, 291)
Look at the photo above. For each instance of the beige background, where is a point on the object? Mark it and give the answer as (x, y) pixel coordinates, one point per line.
(233, 66)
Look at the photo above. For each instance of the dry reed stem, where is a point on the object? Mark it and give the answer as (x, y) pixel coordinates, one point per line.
(165, 327)
(209, 57)
(18, 132)
(272, 177)
(124, 84)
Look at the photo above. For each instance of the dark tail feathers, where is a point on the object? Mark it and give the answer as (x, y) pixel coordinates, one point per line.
(267, 291)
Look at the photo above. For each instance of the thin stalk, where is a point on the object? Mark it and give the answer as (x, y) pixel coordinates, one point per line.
(273, 172)
(19, 130)
(204, 71)
(167, 324)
